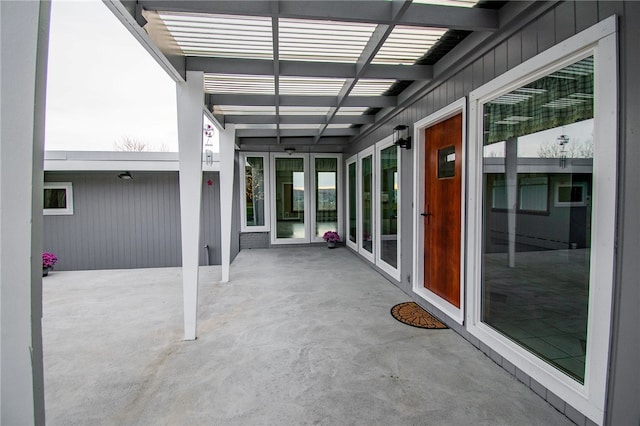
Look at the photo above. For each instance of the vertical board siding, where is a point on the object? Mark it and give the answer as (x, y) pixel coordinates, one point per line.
(565, 21)
(546, 30)
(586, 14)
(126, 224)
(624, 376)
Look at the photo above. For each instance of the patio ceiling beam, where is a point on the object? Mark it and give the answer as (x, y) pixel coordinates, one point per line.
(300, 100)
(215, 65)
(297, 119)
(306, 141)
(260, 133)
(374, 44)
(371, 11)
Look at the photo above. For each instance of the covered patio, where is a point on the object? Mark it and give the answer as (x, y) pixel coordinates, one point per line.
(300, 336)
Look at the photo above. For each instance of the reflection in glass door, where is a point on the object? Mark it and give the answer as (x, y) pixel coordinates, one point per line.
(352, 202)
(538, 179)
(366, 166)
(388, 193)
(290, 198)
(326, 210)
(254, 191)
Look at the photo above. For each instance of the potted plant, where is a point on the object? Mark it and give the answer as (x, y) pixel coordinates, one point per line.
(331, 237)
(48, 260)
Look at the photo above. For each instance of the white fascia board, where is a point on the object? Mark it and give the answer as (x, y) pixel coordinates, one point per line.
(116, 161)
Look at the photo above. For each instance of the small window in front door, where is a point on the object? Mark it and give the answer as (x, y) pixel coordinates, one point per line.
(446, 162)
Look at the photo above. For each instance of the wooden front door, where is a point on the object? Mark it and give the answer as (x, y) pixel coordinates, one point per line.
(441, 211)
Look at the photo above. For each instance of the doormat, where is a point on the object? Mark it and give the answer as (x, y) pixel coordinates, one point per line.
(412, 314)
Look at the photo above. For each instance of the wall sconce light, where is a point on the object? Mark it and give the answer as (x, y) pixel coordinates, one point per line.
(401, 136)
(289, 150)
(125, 176)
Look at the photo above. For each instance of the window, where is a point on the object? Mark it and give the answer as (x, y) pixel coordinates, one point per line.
(570, 194)
(254, 193)
(524, 257)
(533, 193)
(58, 198)
(539, 285)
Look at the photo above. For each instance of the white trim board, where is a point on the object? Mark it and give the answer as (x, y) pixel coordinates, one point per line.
(457, 107)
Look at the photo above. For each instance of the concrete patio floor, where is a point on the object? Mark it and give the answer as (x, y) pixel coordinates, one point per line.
(299, 336)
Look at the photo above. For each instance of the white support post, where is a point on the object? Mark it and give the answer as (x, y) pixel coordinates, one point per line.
(24, 35)
(190, 98)
(227, 165)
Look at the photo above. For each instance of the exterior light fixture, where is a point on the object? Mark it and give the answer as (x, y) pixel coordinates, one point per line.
(401, 136)
(562, 141)
(289, 150)
(125, 176)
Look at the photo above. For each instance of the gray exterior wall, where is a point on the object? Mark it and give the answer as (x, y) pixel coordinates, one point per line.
(498, 54)
(128, 224)
(210, 220)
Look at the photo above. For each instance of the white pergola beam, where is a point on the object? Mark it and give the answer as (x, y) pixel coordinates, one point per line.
(371, 11)
(190, 99)
(218, 65)
(301, 100)
(258, 133)
(298, 119)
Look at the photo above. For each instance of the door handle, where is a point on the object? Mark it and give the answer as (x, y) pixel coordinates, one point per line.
(427, 214)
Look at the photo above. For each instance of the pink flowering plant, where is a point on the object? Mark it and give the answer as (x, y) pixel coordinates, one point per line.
(48, 259)
(331, 237)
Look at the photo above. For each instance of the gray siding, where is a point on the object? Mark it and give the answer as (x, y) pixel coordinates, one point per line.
(498, 56)
(127, 224)
(624, 377)
(210, 219)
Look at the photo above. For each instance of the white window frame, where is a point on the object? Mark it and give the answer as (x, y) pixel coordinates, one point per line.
(267, 193)
(352, 245)
(599, 41)
(457, 107)
(556, 195)
(68, 187)
(307, 222)
(370, 256)
(312, 189)
(389, 269)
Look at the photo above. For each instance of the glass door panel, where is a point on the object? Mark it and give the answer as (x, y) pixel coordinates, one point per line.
(326, 170)
(367, 203)
(353, 211)
(254, 191)
(290, 198)
(389, 205)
